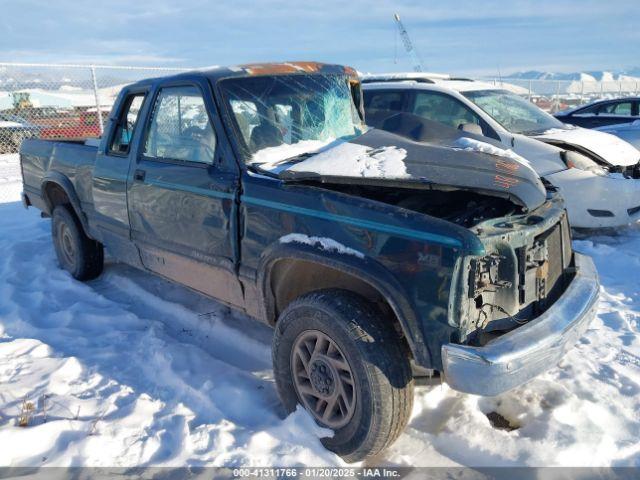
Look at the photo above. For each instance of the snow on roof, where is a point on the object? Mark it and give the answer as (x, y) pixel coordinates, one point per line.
(465, 85)
(442, 79)
(403, 76)
(425, 79)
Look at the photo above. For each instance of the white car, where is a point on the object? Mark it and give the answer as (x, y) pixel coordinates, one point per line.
(629, 132)
(598, 174)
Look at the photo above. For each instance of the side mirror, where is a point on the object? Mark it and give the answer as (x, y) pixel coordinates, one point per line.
(471, 128)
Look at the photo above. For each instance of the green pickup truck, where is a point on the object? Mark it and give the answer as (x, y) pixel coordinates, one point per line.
(381, 257)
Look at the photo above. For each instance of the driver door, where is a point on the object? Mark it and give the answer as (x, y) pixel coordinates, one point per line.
(182, 195)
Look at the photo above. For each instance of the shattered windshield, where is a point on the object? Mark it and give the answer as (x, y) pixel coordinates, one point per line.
(285, 116)
(514, 113)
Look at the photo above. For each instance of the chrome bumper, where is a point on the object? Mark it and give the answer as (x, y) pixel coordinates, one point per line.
(518, 356)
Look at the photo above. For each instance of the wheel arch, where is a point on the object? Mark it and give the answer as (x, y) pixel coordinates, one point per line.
(56, 190)
(288, 271)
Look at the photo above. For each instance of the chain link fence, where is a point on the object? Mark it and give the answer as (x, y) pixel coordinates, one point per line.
(556, 95)
(54, 101)
(73, 101)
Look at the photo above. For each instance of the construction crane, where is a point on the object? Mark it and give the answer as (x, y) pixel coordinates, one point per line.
(408, 46)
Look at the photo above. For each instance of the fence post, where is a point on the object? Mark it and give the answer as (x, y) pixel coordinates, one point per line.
(97, 97)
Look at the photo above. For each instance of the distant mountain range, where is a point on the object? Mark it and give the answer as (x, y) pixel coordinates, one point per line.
(588, 76)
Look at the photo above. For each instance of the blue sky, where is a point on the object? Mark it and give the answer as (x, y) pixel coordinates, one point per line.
(461, 37)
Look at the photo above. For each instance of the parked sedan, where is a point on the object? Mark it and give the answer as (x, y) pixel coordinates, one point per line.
(629, 132)
(597, 173)
(602, 113)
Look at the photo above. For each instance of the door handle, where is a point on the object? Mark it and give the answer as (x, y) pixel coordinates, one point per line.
(139, 175)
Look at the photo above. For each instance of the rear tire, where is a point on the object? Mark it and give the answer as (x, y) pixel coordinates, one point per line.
(344, 340)
(81, 256)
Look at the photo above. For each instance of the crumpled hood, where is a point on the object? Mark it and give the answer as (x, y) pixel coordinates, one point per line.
(380, 157)
(609, 148)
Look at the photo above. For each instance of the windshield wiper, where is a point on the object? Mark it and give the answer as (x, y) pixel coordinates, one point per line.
(299, 158)
(259, 167)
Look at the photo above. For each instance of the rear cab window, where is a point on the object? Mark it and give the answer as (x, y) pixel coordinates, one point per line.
(127, 121)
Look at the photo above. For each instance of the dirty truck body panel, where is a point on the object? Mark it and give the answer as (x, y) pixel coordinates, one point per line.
(195, 211)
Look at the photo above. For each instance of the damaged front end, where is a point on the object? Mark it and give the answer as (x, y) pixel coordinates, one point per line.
(598, 194)
(575, 156)
(527, 267)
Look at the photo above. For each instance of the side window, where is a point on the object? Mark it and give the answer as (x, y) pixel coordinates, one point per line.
(588, 111)
(385, 101)
(622, 108)
(180, 128)
(127, 120)
(443, 109)
(381, 104)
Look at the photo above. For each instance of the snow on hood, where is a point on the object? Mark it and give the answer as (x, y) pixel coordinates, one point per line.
(471, 144)
(610, 148)
(271, 157)
(333, 157)
(381, 157)
(353, 160)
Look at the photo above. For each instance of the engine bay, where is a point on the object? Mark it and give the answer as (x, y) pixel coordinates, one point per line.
(462, 207)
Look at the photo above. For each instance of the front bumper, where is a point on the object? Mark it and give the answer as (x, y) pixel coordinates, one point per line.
(518, 356)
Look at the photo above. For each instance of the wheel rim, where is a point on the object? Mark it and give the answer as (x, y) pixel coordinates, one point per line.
(323, 379)
(67, 247)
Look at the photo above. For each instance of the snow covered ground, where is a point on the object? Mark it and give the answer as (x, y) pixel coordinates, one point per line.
(125, 371)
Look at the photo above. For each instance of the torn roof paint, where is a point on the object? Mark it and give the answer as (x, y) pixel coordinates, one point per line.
(215, 74)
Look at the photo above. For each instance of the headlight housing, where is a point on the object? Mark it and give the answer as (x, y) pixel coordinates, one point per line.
(577, 160)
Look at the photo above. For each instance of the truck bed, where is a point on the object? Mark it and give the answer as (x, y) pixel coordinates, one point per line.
(42, 159)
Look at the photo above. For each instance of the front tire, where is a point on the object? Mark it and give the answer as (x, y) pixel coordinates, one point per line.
(334, 354)
(81, 256)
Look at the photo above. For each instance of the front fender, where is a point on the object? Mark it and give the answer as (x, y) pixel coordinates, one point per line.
(360, 266)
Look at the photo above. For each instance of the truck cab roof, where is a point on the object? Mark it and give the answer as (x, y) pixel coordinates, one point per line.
(257, 69)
